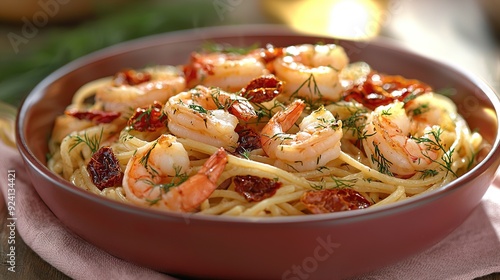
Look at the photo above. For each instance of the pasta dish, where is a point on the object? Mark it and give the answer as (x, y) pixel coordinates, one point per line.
(262, 131)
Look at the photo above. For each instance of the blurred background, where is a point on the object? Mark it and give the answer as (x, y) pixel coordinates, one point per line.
(38, 36)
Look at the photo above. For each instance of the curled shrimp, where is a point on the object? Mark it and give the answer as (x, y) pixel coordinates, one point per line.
(430, 109)
(229, 71)
(312, 71)
(130, 89)
(208, 115)
(315, 144)
(156, 176)
(391, 147)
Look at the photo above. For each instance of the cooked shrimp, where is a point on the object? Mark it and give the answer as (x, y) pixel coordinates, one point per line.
(312, 71)
(157, 176)
(130, 89)
(391, 149)
(229, 71)
(431, 109)
(316, 143)
(208, 115)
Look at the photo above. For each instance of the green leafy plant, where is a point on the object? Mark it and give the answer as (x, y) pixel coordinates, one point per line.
(58, 45)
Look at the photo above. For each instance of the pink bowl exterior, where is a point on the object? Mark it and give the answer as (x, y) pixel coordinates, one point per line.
(320, 247)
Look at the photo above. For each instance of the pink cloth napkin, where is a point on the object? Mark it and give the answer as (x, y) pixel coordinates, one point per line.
(50, 239)
(473, 250)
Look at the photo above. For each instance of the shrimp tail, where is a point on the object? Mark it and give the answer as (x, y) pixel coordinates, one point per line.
(214, 166)
(281, 122)
(291, 114)
(243, 111)
(190, 194)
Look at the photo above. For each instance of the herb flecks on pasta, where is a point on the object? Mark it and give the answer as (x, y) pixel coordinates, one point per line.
(272, 131)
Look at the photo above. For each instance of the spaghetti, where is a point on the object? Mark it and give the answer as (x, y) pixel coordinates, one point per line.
(268, 132)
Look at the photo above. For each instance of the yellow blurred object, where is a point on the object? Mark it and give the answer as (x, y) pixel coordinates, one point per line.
(348, 19)
(7, 124)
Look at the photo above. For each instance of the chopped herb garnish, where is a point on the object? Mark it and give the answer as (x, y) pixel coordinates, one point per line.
(312, 86)
(93, 142)
(383, 164)
(198, 108)
(341, 183)
(175, 181)
(435, 144)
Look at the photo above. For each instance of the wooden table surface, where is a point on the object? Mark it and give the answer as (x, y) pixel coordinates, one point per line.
(28, 264)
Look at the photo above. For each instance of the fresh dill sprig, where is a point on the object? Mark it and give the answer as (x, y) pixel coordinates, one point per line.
(383, 163)
(409, 98)
(428, 173)
(422, 108)
(312, 86)
(124, 137)
(216, 99)
(227, 102)
(342, 183)
(283, 136)
(93, 142)
(435, 144)
(144, 161)
(244, 153)
(175, 181)
(264, 113)
(471, 160)
(324, 123)
(386, 112)
(356, 123)
(317, 186)
(198, 108)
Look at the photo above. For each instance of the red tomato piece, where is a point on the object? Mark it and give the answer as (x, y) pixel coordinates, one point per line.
(148, 118)
(380, 89)
(333, 200)
(248, 139)
(263, 89)
(95, 116)
(131, 77)
(255, 188)
(104, 169)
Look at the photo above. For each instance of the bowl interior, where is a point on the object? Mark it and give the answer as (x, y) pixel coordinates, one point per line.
(476, 102)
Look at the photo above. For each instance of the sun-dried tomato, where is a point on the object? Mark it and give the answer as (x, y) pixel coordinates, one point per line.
(104, 169)
(148, 118)
(333, 200)
(248, 139)
(380, 89)
(95, 116)
(255, 188)
(131, 77)
(263, 89)
(196, 65)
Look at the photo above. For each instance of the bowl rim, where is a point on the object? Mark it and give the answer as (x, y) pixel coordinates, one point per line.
(219, 33)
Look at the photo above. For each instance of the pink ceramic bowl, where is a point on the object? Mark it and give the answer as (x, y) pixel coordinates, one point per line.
(327, 246)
